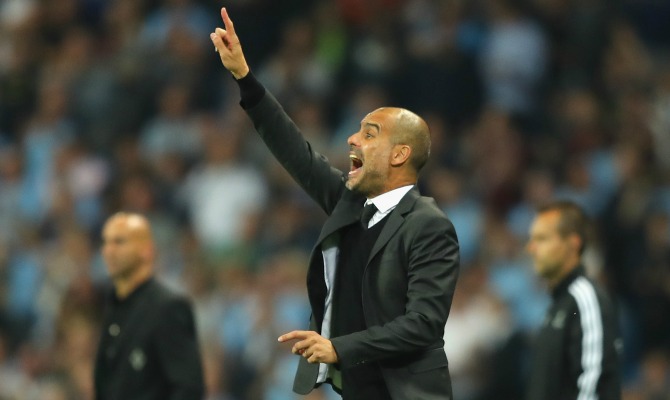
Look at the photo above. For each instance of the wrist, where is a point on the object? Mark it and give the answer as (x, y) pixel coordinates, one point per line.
(251, 91)
(240, 74)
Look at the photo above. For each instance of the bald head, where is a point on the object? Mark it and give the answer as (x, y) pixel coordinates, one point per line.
(411, 130)
(135, 226)
(387, 152)
(128, 248)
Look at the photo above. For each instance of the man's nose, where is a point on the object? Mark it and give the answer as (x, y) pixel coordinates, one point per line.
(106, 249)
(351, 141)
(530, 248)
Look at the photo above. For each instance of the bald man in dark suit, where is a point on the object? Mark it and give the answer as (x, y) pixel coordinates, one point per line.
(383, 272)
(148, 347)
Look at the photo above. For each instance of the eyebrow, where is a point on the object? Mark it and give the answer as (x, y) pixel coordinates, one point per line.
(374, 125)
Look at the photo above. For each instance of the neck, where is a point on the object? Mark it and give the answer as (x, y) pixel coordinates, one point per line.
(556, 280)
(399, 182)
(124, 286)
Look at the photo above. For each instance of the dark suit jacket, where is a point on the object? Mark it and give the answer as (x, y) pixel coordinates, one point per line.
(406, 301)
(154, 355)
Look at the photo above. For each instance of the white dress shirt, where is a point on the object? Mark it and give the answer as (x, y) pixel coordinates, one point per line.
(385, 203)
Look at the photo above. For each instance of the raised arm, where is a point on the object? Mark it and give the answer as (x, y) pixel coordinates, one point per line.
(227, 44)
(310, 169)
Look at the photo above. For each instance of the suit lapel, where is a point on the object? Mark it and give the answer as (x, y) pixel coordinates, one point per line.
(396, 219)
(346, 212)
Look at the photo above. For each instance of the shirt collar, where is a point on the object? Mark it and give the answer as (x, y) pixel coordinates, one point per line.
(386, 201)
(132, 295)
(562, 287)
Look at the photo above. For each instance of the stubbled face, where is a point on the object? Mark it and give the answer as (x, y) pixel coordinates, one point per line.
(550, 251)
(121, 249)
(370, 154)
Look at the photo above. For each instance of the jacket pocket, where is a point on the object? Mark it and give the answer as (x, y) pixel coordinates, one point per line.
(431, 359)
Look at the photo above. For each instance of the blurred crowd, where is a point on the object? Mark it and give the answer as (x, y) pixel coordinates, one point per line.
(110, 105)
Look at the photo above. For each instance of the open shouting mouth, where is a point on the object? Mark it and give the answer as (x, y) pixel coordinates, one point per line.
(356, 164)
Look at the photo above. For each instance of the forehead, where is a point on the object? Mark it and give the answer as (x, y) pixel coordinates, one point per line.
(380, 116)
(122, 226)
(547, 222)
(115, 226)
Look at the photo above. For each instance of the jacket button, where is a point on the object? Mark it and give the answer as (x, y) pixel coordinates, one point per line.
(114, 330)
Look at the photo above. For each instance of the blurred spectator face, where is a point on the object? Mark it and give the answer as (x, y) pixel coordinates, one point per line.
(298, 39)
(446, 186)
(174, 101)
(137, 195)
(184, 46)
(577, 175)
(581, 108)
(77, 48)
(59, 13)
(10, 165)
(550, 250)
(123, 11)
(222, 149)
(538, 187)
(53, 101)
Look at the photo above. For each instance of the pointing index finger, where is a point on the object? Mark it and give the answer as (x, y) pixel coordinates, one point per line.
(293, 335)
(227, 22)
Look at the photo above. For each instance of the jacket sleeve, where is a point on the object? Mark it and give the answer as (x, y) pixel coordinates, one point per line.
(584, 342)
(309, 169)
(178, 352)
(432, 270)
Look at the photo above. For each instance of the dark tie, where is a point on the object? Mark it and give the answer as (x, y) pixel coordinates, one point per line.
(366, 215)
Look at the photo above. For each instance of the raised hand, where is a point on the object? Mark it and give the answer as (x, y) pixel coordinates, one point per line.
(227, 44)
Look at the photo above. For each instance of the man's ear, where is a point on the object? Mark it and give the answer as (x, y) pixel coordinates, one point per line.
(400, 154)
(149, 252)
(575, 242)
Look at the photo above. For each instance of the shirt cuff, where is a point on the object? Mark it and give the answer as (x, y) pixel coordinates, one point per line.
(251, 91)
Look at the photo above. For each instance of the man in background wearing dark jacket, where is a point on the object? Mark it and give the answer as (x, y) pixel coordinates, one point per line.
(148, 348)
(576, 355)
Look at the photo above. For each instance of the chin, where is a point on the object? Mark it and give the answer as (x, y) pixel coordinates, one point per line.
(351, 185)
(357, 188)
